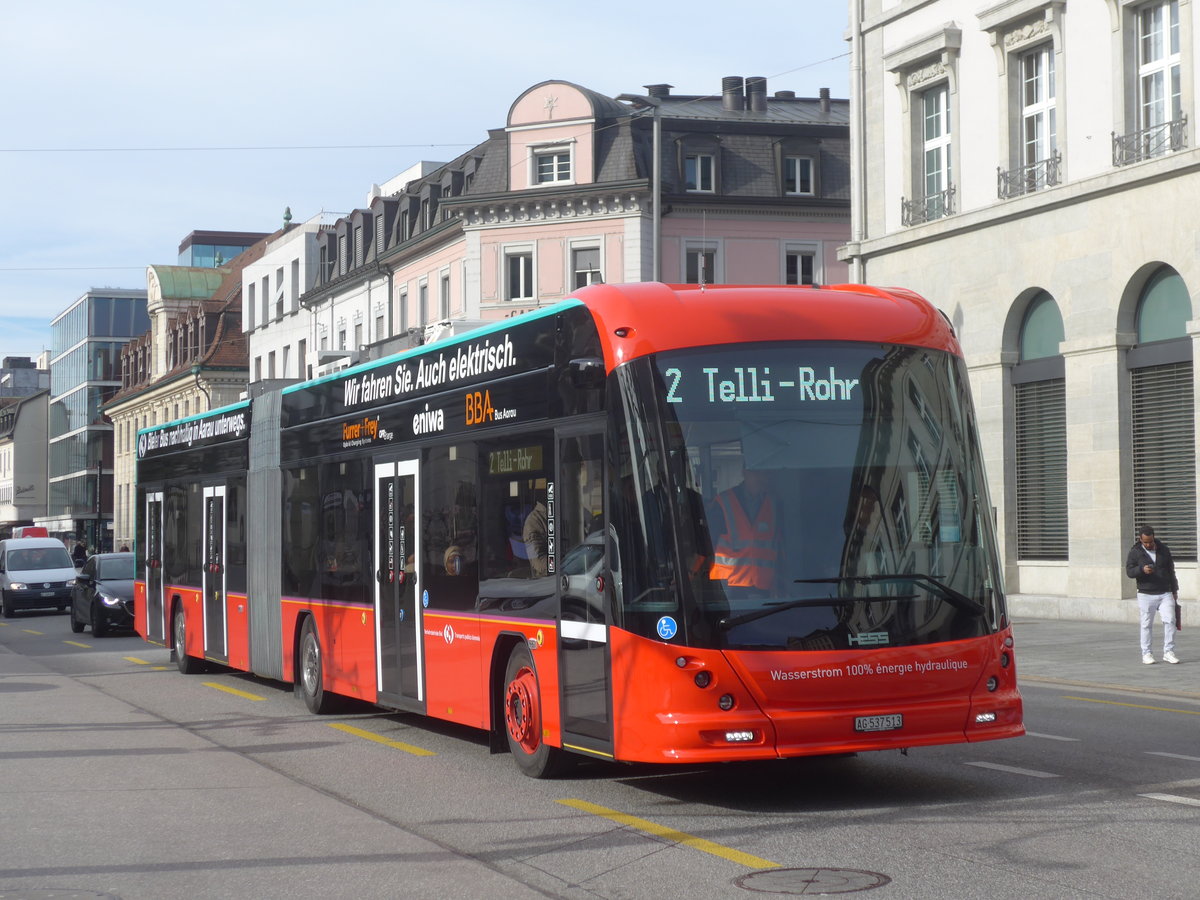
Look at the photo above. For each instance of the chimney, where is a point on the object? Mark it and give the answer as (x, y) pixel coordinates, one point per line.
(658, 90)
(756, 93)
(825, 100)
(731, 93)
(785, 95)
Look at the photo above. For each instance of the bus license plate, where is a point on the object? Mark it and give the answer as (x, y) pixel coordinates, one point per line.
(879, 723)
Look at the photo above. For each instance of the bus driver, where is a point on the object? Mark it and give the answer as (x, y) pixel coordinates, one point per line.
(746, 531)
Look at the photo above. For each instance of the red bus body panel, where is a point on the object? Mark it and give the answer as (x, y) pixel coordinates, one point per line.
(806, 704)
(658, 317)
(237, 630)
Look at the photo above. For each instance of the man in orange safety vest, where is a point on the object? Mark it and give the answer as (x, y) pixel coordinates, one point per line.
(746, 531)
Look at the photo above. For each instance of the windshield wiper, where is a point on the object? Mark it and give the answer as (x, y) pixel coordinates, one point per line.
(943, 590)
(770, 610)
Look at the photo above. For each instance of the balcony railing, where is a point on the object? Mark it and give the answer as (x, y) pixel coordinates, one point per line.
(1157, 140)
(927, 209)
(1026, 179)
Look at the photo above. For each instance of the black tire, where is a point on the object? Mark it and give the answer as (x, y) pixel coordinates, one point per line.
(310, 681)
(99, 622)
(7, 606)
(522, 704)
(188, 665)
(76, 625)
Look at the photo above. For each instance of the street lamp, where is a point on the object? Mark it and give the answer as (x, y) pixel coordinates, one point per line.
(655, 176)
(200, 385)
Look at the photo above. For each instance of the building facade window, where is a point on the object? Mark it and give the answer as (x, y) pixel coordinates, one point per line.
(1040, 434)
(799, 266)
(700, 264)
(444, 296)
(423, 303)
(552, 166)
(1154, 87)
(585, 266)
(935, 104)
(519, 275)
(1162, 413)
(1039, 162)
(698, 169)
(1159, 98)
(798, 175)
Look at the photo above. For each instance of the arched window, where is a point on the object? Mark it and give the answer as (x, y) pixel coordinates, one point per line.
(1162, 416)
(1039, 393)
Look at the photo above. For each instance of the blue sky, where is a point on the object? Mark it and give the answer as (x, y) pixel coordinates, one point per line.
(114, 111)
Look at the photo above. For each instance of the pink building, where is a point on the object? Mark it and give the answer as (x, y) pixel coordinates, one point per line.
(751, 188)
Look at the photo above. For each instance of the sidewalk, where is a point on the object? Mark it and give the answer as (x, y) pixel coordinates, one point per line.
(1104, 654)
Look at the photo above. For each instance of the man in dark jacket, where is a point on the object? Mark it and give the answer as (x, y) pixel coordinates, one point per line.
(1151, 564)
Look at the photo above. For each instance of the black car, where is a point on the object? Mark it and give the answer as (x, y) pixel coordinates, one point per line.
(103, 594)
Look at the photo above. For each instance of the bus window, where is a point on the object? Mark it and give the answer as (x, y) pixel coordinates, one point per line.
(300, 504)
(345, 551)
(449, 542)
(516, 557)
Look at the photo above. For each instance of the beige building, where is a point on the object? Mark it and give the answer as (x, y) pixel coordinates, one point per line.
(192, 359)
(1028, 166)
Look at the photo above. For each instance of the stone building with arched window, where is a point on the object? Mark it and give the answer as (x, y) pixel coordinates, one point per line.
(1027, 165)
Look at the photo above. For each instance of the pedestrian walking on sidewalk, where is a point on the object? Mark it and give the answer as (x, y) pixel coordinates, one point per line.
(1150, 562)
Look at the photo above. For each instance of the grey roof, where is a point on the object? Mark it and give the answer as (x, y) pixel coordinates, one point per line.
(789, 111)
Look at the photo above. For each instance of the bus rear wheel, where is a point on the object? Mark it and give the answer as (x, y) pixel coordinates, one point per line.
(523, 719)
(188, 665)
(310, 682)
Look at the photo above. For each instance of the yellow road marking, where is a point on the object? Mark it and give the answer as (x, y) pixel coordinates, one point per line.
(230, 690)
(1185, 712)
(140, 662)
(380, 739)
(77, 644)
(31, 631)
(670, 834)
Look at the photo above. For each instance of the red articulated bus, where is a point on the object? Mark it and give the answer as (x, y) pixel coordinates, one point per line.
(650, 523)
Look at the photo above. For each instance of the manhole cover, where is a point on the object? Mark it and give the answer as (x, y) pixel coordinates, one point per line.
(16, 687)
(54, 894)
(811, 882)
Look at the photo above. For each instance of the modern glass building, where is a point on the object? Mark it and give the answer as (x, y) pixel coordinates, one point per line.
(85, 371)
(213, 249)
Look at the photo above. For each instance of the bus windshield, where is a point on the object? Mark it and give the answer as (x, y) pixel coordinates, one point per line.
(824, 496)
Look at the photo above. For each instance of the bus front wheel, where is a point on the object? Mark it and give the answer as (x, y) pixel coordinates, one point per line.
(523, 719)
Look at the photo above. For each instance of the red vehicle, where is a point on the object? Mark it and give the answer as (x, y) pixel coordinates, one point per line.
(652, 523)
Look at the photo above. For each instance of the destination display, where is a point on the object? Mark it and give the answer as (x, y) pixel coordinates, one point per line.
(223, 426)
(792, 377)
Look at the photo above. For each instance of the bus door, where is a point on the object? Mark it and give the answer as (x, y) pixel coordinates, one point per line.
(586, 564)
(153, 573)
(399, 665)
(212, 577)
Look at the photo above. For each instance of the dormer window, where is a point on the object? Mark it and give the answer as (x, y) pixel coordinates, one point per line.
(698, 172)
(798, 175)
(551, 164)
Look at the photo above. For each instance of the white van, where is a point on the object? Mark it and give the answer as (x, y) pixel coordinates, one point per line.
(35, 573)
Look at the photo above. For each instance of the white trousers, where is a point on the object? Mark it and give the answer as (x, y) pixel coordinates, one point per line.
(1164, 605)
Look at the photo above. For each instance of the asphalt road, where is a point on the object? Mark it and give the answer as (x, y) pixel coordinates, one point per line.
(119, 777)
